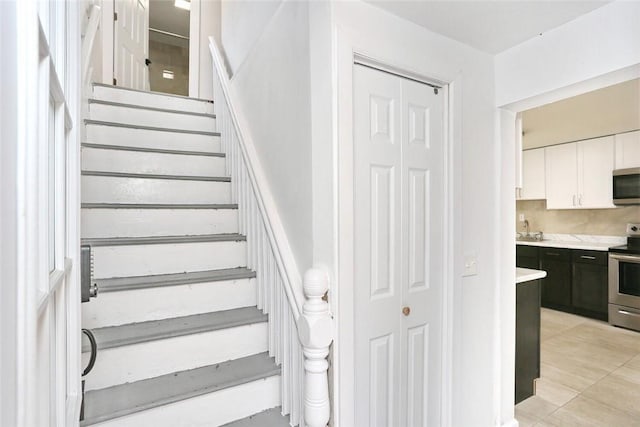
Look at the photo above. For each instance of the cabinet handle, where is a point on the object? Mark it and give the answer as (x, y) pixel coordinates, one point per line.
(587, 257)
(574, 200)
(552, 253)
(580, 200)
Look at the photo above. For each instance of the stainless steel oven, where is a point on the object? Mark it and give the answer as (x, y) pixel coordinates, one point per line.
(624, 284)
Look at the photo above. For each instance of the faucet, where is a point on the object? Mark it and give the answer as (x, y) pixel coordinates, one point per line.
(526, 226)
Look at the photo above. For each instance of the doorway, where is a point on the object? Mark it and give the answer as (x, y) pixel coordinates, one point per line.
(169, 26)
(398, 179)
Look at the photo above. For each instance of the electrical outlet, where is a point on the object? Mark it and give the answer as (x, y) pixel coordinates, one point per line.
(521, 217)
(633, 229)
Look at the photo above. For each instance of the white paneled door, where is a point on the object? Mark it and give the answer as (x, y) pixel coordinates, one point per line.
(398, 187)
(131, 43)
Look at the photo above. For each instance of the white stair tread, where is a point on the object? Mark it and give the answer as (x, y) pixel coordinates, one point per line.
(155, 176)
(150, 92)
(270, 418)
(149, 108)
(135, 333)
(162, 240)
(117, 401)
(142, 282)
(154, 128)
(151, 150)
(159, 206)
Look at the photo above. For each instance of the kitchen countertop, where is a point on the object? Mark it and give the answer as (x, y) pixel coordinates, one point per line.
(528, 274)
(577, 241)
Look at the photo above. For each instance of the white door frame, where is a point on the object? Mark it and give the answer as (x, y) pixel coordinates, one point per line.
(45, 76)
(342, 296)
(108, 40)
(507, 257)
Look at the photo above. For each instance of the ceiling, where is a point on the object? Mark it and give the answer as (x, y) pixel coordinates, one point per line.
(606, 111)
(490, 26)
(163, 15)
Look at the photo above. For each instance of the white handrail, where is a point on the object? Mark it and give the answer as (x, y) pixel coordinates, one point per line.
(88, 41)
(300, 325)
(274, 228)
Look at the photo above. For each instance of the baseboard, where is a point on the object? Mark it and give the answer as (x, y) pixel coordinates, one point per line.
(511, 423)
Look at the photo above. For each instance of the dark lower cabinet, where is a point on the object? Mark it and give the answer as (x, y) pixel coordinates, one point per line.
(556, 287)
(589, 291)
(527, 338)
(576, 282)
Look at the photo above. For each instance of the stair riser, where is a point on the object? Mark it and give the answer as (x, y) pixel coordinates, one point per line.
(144, 117)
(152, 163)
(143, 260)
(152, 100)
(130, 363)
(114, 135)
(98, 223)
(104, 189)
(213, 409)
(140, 305)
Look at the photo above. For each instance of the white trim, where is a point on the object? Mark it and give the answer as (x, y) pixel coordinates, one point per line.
(95, 18)
(194, 49)
(347, 48)
(106, 25)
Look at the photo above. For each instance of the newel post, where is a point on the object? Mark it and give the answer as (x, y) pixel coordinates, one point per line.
(316, 333)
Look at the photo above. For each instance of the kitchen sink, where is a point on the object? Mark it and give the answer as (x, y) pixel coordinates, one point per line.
(533, 237)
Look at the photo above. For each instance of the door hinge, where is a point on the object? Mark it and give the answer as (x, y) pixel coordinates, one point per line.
(115, 81)
(115, 16)
(435, 90)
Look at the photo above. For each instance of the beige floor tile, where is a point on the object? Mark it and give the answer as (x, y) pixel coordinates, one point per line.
(526, 420)
(535, 407)
(584, 412)
(617, 392)
(568, 379)
(545, 423)
(629, 373)
(553, 392)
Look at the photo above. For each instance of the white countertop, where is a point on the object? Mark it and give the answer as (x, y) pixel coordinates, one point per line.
(528, 274)
(577, 241)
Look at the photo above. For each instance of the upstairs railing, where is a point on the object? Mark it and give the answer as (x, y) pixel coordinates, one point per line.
(300, 325)
(88, 40)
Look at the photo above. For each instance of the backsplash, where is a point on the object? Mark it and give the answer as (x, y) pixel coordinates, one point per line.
(605, 222)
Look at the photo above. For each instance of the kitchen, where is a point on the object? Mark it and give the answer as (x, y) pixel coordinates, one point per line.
(578, 259)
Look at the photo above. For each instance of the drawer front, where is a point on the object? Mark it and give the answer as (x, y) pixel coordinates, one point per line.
(559, 254)
(527, 251)
(590, 257)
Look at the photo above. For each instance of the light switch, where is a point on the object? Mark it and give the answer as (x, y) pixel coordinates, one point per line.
(470, 265)
(521, 217)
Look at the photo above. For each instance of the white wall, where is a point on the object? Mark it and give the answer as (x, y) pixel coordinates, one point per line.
(592, 45)
(393, 40)
(273, 92)
(243, 24)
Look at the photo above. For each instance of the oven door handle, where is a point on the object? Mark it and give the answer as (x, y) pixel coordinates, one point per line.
(626, 258)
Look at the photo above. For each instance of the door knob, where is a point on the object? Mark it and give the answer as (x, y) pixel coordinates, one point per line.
(406, 311)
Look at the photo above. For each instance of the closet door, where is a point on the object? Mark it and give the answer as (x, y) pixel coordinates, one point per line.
(398, 187)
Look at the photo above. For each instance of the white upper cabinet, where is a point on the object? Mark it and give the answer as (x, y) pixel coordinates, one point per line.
(595, 167)
(628, 150)
(533, 178)
(578, 174)
(561, 172)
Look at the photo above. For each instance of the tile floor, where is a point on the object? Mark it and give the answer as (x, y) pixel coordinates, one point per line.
(590, 375)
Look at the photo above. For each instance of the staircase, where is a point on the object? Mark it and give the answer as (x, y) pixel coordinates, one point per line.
(180, 339)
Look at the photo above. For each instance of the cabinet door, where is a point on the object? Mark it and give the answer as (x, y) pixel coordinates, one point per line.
(595, 165)
(561, 175)
(527, 257)
(556, 287)
(628, 150)
(533, 185)
(589, 290)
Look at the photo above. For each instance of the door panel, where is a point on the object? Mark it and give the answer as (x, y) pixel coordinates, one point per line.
(398, 157)
(131, 43)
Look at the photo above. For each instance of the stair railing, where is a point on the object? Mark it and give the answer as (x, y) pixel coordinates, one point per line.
(300, 324)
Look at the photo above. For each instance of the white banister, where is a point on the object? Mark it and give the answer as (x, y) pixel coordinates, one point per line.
(88, 41)
(316, 333)
(300, 326)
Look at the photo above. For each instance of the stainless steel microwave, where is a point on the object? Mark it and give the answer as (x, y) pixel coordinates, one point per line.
(626, 186)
